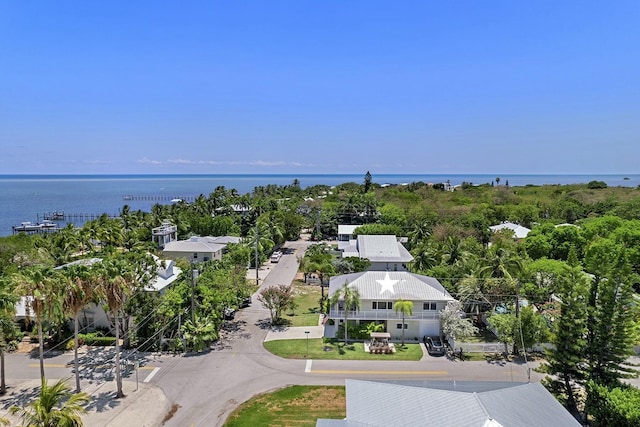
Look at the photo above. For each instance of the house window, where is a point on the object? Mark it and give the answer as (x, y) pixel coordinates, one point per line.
(429, 305)
(399, 326)
(381, 305)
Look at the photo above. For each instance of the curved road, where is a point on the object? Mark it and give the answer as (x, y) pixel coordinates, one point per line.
(209, 386)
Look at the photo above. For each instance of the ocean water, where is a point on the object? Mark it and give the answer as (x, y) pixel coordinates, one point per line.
(29, 197)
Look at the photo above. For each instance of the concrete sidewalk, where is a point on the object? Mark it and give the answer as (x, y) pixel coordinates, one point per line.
(145, 407)
(294, 332)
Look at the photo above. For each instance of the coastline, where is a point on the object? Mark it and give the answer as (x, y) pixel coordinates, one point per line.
(28, 197)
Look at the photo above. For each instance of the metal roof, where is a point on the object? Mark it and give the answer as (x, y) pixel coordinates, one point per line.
(382, 248)
(520, 231)
(346, 228)
(188, 246)
(405, 285)
(461, 404)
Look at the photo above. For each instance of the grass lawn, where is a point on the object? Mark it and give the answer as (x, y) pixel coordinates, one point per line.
(483, 335)
(292, 406)
(308, 309)
(297, 349)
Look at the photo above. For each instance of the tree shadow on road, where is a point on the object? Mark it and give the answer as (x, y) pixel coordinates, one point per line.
(21, 397)
(230, 331)
(103, 401)
(265, 324)
(98, 363)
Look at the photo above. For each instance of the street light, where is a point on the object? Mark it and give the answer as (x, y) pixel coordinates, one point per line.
(194, 276)
(307, 334)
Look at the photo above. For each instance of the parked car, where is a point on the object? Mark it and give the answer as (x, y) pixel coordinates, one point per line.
(245, 302)
(229, 313)
(275, 257)
(434, 345)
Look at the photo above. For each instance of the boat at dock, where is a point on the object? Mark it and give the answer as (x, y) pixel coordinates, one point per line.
(40, 227)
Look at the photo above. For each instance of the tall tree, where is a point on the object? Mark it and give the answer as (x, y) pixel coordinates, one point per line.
(43, 300)
(350, 299)
(612, 310)
(367, 182)
(565, 360)
(116, 279)
(7, 326)
(78, 291)
(406, 308)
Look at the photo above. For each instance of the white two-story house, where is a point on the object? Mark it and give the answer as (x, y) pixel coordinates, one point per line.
(379, 290)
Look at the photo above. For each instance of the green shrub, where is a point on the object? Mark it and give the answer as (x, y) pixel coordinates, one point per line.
(92, 338)
(595, 185)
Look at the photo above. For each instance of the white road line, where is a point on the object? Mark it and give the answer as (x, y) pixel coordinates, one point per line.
(308, 368)
(155, 371)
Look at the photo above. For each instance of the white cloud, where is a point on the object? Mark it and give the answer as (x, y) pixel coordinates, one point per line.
(266, 163)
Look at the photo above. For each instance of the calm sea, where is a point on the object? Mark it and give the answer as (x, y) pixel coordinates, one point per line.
(29, 197)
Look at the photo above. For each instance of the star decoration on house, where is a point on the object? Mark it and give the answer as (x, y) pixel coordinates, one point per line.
(387, 284)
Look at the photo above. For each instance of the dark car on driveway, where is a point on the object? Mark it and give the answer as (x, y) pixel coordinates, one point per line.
(434, 345)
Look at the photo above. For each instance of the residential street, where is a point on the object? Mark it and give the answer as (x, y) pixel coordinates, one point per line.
(209, 386)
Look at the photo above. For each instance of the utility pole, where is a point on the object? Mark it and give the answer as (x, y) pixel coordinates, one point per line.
(256, 255)
(519, 333)
(194, 276)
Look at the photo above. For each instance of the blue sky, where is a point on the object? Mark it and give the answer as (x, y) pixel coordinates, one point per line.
(319, 87)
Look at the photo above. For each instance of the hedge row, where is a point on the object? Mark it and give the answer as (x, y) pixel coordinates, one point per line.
(92, 339)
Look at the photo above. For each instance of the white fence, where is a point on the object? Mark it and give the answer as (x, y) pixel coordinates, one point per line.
(491, 347)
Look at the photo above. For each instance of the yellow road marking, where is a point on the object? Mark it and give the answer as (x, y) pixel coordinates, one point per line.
(380, 372)
(48, 365)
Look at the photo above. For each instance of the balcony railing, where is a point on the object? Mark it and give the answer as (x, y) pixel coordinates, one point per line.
(383, 315)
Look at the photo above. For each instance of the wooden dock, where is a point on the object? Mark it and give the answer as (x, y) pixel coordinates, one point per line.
(158, 198)
(73, 216)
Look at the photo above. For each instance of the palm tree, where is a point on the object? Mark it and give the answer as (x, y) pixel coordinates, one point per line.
(472, 293)
(350, 298)
(262, 235)
(7, 326)
(116, 277)
(199, 332)
(55, 406)
(275, 226)
(420, 233)
(406, 308)
(37, 283)
(78, 291)
(425, 257)
(501, 263)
